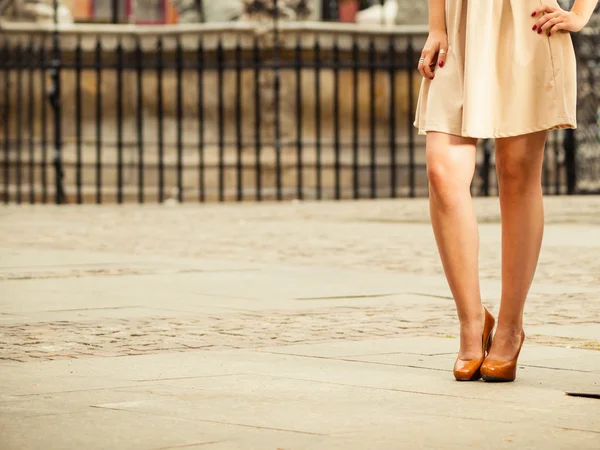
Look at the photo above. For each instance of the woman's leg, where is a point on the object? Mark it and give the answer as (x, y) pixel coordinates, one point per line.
(450, 168)
(519, 166)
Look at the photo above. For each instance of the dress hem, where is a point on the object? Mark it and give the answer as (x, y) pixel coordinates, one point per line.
(561, 124)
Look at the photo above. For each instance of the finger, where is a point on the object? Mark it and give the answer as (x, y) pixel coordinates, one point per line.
(562, 26)
(542, 10)
(420, 66)
(551, 23)
(427, 65)
(442, 57)
(543, 20)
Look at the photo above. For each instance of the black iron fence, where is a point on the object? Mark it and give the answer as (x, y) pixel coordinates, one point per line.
(221, 113)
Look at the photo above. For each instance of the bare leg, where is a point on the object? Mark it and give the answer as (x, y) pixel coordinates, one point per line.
(519, 165)
(450, 168)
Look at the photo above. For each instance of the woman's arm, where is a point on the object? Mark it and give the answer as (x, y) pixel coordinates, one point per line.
(556, 19)
(437, 40)
(437, 15)
(584, 9)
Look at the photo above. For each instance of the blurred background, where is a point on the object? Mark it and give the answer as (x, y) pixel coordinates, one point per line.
(105, 101)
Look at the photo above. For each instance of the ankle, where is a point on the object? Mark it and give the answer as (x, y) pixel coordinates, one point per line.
(510, 328)
(472, 319)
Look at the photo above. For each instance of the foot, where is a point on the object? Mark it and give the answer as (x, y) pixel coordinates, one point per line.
(470, 338)
(505, 344)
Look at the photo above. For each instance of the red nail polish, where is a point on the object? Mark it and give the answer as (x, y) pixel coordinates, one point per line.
(540, 31)
(441, 63)
(533, 14)
(534, 27)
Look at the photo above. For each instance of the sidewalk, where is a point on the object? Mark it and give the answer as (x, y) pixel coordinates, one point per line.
(281, 326)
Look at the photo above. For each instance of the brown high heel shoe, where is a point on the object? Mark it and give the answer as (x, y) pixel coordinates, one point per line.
(468, 369)
(493, 370)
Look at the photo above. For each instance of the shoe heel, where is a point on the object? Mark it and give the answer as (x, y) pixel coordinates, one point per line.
(489, 344)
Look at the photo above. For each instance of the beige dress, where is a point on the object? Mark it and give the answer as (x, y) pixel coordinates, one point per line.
(500, 78)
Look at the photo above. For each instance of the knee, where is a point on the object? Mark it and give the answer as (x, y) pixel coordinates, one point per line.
(516, 173)
(446, 181)
(439, 175)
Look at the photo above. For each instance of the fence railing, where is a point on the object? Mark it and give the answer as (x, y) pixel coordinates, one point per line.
(227, 112)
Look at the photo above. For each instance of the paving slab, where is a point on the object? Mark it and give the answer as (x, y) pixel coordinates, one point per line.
(65, 261)
(425, 346)
(260, 400)
(282, 326)
(582, 331)
(589, 363)
(442, 432)
(104, 428)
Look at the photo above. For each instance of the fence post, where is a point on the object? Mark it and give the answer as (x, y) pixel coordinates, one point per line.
(485, 167)
(56, 109)
(277, 101)
(570, 146)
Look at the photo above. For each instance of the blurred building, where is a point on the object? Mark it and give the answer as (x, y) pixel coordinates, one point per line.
(387, 12)
(129, 11)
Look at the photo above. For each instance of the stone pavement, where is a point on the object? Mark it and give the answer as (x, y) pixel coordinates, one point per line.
(281, 326)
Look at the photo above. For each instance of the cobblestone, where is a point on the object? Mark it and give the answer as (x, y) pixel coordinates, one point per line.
(120, 337)
(385, 235)
(388, 235)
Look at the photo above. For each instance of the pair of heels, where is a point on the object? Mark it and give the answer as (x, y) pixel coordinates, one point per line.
(488, 369)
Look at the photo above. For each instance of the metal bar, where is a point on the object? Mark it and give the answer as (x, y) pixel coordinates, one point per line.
(317, 57)
(570, 146)
(119, 99)
(78, 149)
(179, 63)
(545, 169)
(556, 165)
(140, 117)
(299, 122)
(238, 120)
(277, 101)
(257, 119)
(372, 124)
(495, 179)
(392, 117)
(30, 116)
(336, 119)
(411, 131)
(200, 75)
(355, 119)
(19, 119)
(5, 67)
(55, 98)
(44, 123)
(98, 63)
(485, 167)
(221, 119)
(159, 94)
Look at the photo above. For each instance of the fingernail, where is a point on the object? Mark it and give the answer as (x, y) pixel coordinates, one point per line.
(534, 27)
(533, 14)
(441, 63)
(540, 31)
